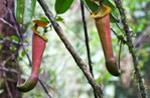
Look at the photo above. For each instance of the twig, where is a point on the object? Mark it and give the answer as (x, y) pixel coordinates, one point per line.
(8, 89)
(119, 27)
(4, 75)
(138, 74)
(119, 58)
(70, 48)
(86, 38)
(45, 89)
(5, 22)
(5, 61)
(87, 41)
(18, 34)
(3, 39)
(120, 37)
(8, 70)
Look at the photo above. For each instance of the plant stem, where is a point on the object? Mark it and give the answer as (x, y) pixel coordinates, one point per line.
(71, 50)
(86, 38)
(138, 74)
(87, 41)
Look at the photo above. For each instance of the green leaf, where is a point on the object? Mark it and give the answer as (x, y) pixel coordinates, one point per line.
(1, 84)
(52, 81)
(92, 6)
(19, 10)
(38, 95)
(1, 35)
(1, 46)
(59, 18)
(8, 37)
(26, 41)
(24, 10)
(15, 38)
(108, 3)
(114, 12)
(13, 48)
(61, 6)
(113, 19)
(43, 18)
(19, 58)
(23, 53)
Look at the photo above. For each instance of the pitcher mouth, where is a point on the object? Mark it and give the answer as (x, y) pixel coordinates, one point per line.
(28, 84)
(38, 34)
(101, 12)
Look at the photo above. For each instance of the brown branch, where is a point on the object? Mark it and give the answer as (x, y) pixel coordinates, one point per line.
(8, 70)
(45, 89)
(8, 89)
(70, 48)
(4, 75)
(5, 22)
(87, 41)
(138, 74)
(120, 37)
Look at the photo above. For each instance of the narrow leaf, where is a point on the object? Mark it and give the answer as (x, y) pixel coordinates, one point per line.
(61, 6)
(19, 10)
(108, 3)
(1, 35)
(24, 10)
(92, 6)
(29, 10)
(114, 13)
(43, 18)
(113, 19)
(60, 19)
(15, 38)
